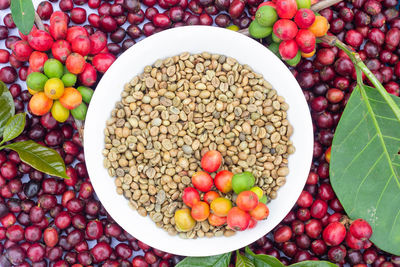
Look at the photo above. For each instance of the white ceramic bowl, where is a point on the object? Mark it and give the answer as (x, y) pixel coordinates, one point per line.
(196, 39)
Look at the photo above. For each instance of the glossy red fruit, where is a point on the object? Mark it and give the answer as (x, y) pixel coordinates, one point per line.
(353, 38)
(202, 181)
(89, 75)
(211, 161)
(305, 199)
(58, 29)
(94, 20)
(57, 16)
(190, 196)
(288, 49)
(161, 20)
(286, 9)
(318, 247)
(22, 50)
(238, 219)
(353, 242)
(101, 251)
(50, 237)
(252, 223)
(61, 49)
(74, 32)
(392, 88)
(223, 181)
(325, 56)
(150, 13)
(247, 200)
(123, 251)
(210, 196)
(283, 234)
(313, 228)
(4, 56)
(285, 29)
(4, 4)
(297, 227)
(8, 21)
(319, 208)
(10, 41)
(78, 15)
(360, 229)
(81, 45)
(94, 229)
(75, 63)
(305, 39)
(40, 40)
(236, 8)
(392, 38)
(98, 41)
(108, 23)
(260, 212)
(36, 252)
(304, 18)
(8, 169)
(148, 29)
(334, 96)
(15, 254)
(337, 254)
(23, 74)
(8, 220)
(8, 75)
(205, 19)
(15, 233)
(334, 233)
(103, 61)
(138, 18)
(86, 190)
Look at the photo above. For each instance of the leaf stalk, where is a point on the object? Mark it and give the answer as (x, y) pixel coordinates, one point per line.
(359, 64)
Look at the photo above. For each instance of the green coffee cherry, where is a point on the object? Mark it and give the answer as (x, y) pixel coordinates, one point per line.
(69, 79)
(266, 16)
(258, 31)
(79, 112)
(86, 93)
(36, 81)
(53, 68)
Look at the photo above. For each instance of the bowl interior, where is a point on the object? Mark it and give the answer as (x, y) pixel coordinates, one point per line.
(196, 39)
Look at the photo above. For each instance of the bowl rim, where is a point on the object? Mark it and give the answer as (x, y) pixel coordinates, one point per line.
(185, 248)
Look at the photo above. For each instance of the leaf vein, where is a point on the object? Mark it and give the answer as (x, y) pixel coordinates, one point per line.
(381, 195)
(379, 132)
(358, 154)
(376, 100)
(394, 222)
(353, 130)
(391, 137)
(365, 178)
(27, 151)
(386, 118)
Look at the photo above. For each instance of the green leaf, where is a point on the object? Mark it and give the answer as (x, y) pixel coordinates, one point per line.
(314, 264)
(365, 165)
(212, 261)
(261, 260)
(14, 127)
(249, 254)
(23, 14)
(242, 261)
(41, 158)
(3, 87)
(7, 109)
